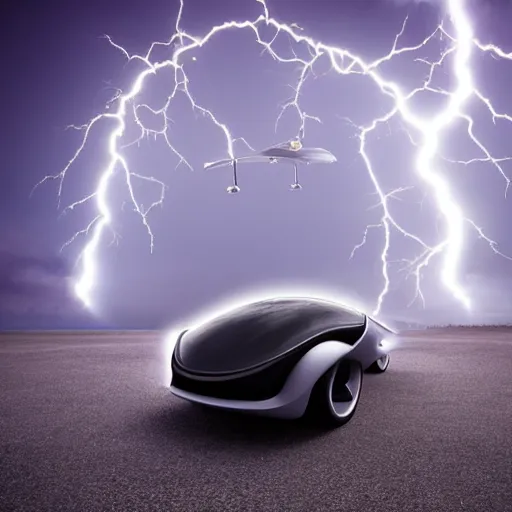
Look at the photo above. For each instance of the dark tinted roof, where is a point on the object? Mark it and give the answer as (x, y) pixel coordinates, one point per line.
(259, 332)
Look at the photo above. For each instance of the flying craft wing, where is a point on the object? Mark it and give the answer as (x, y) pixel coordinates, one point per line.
(289, 151)
(257, 158)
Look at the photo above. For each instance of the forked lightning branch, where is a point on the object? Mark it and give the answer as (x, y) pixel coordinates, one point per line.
(456, 31)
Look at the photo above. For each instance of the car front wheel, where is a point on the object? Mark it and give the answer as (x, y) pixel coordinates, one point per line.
(335, 396)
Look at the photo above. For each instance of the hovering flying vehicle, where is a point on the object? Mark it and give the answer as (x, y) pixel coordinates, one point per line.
(283, 357)
(291, 151)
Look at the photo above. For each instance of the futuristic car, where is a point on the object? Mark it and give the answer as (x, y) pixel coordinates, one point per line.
(291, 151)
(284, 357)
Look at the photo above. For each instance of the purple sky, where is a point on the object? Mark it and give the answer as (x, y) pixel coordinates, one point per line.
(210, 245)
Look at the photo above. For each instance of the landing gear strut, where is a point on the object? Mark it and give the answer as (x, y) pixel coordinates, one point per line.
(296, 185)
(233, 189)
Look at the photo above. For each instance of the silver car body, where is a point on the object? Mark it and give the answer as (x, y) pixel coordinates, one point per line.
(292, 399)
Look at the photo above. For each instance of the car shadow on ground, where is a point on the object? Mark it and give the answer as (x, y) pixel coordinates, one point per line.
(193, 421)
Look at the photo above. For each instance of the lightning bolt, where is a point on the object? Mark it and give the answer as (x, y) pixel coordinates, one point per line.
(126, 107)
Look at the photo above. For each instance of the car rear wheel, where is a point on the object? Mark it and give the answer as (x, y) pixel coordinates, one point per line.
(380, 365)
(335, 396)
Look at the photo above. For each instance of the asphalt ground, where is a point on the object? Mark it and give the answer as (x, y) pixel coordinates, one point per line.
(87, 424)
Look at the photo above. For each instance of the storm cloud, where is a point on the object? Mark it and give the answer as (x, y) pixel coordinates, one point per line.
(38, 287)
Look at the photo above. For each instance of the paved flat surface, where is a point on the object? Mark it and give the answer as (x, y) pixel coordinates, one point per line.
(86, 424)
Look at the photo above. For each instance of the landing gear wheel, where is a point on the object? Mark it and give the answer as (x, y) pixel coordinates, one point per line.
(381, 365)
(335, 396)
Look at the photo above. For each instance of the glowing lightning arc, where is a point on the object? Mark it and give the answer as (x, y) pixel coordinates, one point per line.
(343, 62)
